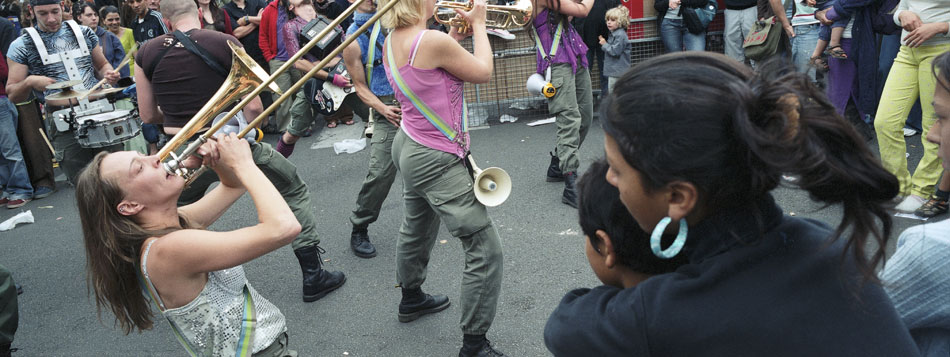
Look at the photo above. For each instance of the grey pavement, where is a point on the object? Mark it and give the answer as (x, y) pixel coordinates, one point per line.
(544, 258)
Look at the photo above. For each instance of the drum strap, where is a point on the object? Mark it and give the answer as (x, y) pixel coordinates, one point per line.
(68, 58)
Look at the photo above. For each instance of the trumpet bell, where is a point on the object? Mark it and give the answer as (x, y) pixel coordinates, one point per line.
(492, 186)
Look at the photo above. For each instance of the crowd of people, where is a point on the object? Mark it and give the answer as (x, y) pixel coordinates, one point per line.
(678, 217)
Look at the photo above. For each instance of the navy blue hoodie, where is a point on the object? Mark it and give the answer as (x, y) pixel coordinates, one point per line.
(757, 284)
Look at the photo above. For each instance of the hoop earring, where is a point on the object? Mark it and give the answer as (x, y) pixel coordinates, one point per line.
(677, 245)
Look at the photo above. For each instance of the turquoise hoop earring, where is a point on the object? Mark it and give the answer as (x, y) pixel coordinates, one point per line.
(677, 245)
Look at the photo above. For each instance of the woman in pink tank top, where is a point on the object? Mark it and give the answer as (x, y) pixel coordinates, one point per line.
(428, 70)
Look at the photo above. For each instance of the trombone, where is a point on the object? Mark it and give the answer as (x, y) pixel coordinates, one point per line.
(249, 80)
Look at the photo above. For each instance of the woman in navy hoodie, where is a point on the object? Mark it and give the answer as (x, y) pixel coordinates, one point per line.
(757, 282)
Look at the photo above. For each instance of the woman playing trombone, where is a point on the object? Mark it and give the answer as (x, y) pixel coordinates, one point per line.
(138, 243)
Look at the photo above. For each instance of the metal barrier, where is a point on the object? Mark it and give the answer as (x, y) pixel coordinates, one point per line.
(505, 97)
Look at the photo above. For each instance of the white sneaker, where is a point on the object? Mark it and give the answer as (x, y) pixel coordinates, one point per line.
(501, 33)
(911, 204)
(910, 131)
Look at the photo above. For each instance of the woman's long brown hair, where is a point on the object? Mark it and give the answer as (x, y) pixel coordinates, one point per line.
(113, 243)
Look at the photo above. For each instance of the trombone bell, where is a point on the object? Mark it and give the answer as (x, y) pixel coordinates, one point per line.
(244, 77)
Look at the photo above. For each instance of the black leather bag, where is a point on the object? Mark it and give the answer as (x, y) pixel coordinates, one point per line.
(327, 43)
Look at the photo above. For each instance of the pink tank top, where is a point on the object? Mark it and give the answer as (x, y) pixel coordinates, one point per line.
(442, 92)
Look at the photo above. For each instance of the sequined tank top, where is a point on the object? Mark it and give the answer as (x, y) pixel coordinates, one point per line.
(211, 323)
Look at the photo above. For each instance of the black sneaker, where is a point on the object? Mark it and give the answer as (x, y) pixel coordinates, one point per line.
(934, 206)
(362, 247)
(486, 350)
(430, 305)
(554, 170)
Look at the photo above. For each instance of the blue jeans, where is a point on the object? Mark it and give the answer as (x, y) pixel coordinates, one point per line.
(676, 38)
(803, 44)
(13, 175)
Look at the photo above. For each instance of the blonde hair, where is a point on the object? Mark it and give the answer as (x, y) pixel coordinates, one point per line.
(404, 13)
(620, 14)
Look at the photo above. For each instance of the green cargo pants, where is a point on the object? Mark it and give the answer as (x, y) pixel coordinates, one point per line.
(438, 187)
(381, 174)
(573, 105)
(9, 316)
(283, 174)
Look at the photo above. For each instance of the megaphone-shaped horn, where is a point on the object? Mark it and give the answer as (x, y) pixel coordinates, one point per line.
(537, 85)
(492, 185)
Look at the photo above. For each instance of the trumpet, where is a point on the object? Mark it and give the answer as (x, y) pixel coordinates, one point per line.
(496, 16)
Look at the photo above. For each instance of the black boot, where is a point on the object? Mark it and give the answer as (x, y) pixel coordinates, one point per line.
(317, 282)
(478, 345)
(554, 169)
(415, 304)
(569, 196)
(359, 242)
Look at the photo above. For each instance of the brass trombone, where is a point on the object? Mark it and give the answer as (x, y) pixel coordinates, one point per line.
(240, 83)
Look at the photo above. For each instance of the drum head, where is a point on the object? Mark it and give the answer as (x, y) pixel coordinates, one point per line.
(103, 117)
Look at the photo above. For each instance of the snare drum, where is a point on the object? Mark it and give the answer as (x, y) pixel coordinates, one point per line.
(106, 129)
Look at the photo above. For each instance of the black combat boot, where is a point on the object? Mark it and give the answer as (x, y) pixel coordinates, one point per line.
(317, 282)
(359, 242)
(554, 170)
(478, 346)
(415, 304)
(569, 196)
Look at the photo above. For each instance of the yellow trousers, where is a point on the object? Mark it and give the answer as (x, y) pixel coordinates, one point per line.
(910, 77)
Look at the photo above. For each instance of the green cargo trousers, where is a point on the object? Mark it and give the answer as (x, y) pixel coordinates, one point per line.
(382, 172)
(9, 316)
(438, 187)
(283, 174)
(573, 106)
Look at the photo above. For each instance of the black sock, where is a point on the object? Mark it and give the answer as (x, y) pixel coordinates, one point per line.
(360, 229)
(411, 296)
(943, 195)
(473, 342)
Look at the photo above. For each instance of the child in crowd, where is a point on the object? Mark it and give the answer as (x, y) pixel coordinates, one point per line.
(829, 37)
(616, 46)
(617, 248)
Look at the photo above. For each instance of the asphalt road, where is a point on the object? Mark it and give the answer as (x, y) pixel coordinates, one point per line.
(544, 258)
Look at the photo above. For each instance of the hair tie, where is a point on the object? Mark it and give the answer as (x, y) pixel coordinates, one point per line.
(789, 105)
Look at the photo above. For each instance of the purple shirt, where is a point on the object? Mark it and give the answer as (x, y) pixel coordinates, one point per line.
(282, 53)
(440, 91)
(569, 49)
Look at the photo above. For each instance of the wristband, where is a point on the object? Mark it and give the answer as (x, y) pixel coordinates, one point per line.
(246, 20)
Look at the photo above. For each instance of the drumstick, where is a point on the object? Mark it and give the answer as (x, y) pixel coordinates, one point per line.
(125, 60)
(47, 141)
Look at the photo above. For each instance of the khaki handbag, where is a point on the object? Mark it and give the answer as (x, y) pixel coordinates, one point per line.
(764, 39)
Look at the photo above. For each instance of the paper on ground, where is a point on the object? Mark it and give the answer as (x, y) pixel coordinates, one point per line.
(22, 217)
(541, 122)
(349, 146)
(909, 215)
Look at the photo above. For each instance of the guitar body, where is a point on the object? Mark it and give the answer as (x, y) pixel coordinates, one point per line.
(325, 97)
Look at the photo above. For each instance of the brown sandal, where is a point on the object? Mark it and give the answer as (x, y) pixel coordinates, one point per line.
(836, 52)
